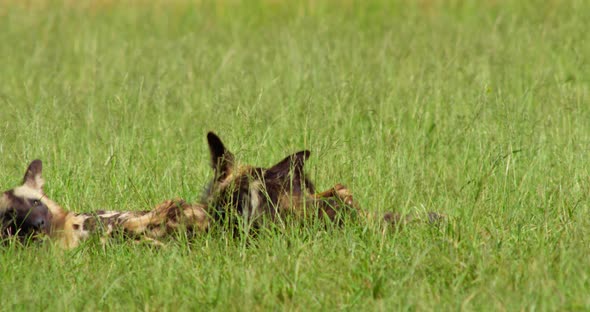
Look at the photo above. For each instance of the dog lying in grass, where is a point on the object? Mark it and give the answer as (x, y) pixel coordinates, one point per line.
(278, 193)
(26, 212)
(281, 192)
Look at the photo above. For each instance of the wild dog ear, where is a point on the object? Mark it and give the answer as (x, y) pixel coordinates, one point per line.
(33, 177)
(292, 164)
(222, 160)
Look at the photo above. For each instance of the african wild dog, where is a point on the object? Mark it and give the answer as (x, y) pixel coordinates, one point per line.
(22, 211)
(276, 193)
(26, 210)
(283, 191)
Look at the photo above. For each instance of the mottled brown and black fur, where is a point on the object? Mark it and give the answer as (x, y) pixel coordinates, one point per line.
(165, 219)
(283, 191)
(22, 212)
(27, 211)
(280, 192)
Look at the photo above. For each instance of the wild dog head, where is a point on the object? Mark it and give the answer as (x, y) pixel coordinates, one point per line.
(23, 212)
(255, 191)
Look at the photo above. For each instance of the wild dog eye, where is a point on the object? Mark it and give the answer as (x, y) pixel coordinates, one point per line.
(36, 202)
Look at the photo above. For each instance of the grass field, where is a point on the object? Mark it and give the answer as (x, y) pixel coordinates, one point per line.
(476, 109)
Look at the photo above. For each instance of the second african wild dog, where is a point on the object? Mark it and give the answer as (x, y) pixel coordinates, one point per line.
(26, 210)
(276, 193)
(283, 191)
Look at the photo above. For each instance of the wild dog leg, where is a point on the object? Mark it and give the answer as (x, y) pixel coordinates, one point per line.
(167, 217)
(340, 197)
(339, 191)
(334, 201)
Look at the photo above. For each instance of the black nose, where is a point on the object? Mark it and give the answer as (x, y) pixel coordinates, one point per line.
(39, 223)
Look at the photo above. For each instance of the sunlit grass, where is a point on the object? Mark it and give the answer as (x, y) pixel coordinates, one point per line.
(476, 109)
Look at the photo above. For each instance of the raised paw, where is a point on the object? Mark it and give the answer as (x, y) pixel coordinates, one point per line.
(344, 194)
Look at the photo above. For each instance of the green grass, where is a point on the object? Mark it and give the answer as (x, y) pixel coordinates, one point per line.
(476, 109)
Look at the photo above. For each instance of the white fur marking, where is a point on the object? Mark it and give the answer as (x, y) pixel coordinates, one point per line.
(28, 192)
(255, 199)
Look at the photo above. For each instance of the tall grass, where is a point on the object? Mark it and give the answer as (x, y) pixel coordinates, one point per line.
(476, 109)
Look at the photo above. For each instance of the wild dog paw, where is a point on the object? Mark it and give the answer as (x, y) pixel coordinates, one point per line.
(335, 202)
(344, 194)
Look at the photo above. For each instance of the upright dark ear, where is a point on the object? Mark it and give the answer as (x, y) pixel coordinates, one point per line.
(292, 165)
(33, 177)
(222, 160)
